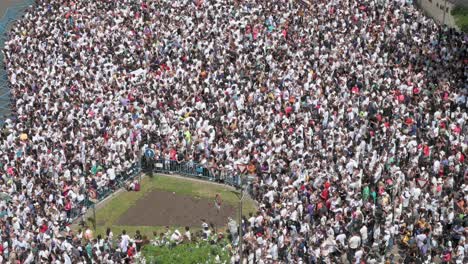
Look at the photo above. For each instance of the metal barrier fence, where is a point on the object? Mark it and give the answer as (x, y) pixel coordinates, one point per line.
(195, 170)
(102, 193)
(188, 169)
(11, 15)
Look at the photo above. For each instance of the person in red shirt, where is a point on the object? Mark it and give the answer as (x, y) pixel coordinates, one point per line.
(43, 228)
(68, 207)
(173, 154)
(173, 159)
(218, 202)
(131, 252)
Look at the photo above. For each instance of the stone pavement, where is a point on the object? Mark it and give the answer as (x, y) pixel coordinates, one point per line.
(4, 4)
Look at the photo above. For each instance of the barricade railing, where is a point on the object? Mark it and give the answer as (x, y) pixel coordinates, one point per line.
(195, 170)
(187, 169)
(103, 192)
(190, 169)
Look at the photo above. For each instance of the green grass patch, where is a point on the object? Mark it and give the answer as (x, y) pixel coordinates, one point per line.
(113, 209)
(460, 14)
(195, 253)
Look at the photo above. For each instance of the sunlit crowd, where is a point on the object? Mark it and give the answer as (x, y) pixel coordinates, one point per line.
(349, 116)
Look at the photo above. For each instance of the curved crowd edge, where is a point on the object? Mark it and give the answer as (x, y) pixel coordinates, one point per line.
(11, 14)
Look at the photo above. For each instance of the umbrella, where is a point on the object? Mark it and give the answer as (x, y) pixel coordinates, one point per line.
(24, 136)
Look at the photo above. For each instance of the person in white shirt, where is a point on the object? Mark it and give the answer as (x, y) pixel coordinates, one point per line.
(363, 232)
(176, 237)
(66, 258)
(354, 243)
(124, 241)
(460, 252)
(30, 258)
(251, 220)
(358, 256)
(187, 234)
(274, 250)
(341, 238)
(421, 240)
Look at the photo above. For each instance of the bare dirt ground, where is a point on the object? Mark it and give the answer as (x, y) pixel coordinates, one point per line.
(161, 208)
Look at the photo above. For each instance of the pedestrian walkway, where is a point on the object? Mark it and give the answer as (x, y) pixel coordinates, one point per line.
(5, 4)
(10, 10)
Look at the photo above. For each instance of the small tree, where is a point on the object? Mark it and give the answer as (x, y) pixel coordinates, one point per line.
(460, 14)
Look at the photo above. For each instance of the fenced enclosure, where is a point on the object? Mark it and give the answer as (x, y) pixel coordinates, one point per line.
(188, 169)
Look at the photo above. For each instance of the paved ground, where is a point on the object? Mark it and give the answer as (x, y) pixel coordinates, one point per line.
(4, 101)
(161, 208)
(4, 4)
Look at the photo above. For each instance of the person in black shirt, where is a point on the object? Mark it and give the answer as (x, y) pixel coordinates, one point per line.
(138, 240)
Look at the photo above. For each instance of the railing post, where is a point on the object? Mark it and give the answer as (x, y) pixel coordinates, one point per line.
(94, 216)
(140, 156)
(240, 224)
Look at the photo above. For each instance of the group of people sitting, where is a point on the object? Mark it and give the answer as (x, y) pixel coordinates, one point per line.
(350, 116)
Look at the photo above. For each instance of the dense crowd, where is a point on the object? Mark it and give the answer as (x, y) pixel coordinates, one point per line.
(350, 116)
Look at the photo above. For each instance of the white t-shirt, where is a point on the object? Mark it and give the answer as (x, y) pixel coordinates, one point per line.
(358, 256)
(341, 238)
(124, 243)
(111, 173)
(274, 252)
(354, 242)
(175, 237)
(420, 239)
(363, 232)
